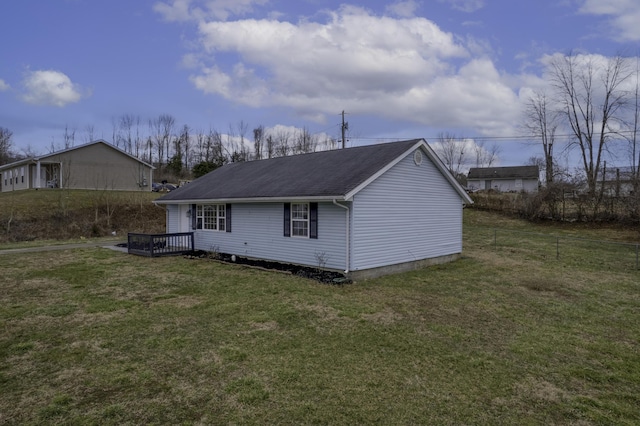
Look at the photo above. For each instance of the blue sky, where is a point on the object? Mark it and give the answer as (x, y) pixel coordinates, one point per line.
(403, 69)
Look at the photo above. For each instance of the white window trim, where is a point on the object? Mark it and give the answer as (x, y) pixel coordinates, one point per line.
(220, 215)
(307, 220)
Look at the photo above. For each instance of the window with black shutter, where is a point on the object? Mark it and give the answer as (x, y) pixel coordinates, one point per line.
(301, 220)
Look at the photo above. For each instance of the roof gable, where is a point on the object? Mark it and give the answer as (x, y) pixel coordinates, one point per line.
(326, 174)
(96, 142)
(73, 148)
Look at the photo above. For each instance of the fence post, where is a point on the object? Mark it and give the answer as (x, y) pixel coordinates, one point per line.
(557, 248)
(637, 256)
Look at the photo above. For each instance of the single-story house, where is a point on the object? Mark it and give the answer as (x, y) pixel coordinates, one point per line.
(505, 179)
(366, 211)
(95, 165)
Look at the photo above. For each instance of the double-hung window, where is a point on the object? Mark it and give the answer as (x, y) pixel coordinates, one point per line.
(211, 216)
(299, 219)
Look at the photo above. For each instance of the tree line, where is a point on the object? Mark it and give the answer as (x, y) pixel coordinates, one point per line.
(593, 103)
(179, 151)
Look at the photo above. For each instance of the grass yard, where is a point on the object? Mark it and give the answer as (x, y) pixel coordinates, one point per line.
(502, 336)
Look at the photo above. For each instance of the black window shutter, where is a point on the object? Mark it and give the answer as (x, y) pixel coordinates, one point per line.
(287, 219)
(313, 220)
(228, 217)
(193, 216)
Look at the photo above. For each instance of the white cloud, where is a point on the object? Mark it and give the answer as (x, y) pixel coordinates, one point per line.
(465, 5)
(624, 16)
(403, 9)
(404, 68)
(48, 87)
(177, 10)
(186, 10)
(3, 86)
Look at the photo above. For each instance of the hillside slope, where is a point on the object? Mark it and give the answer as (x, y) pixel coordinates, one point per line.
(65, 214)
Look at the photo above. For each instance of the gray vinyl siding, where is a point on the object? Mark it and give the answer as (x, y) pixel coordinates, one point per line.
(409, 213)
(257, 232)
(173, 218)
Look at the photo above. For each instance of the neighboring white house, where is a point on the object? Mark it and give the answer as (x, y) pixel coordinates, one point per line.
(367, 211)
(617, 181)
(505, 179)
(96, 165)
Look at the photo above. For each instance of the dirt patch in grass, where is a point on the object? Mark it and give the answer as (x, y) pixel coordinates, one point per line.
(385, 317)
(323, 312)
(546, 286)
(179, 301)
(264, 326)
(539, 389)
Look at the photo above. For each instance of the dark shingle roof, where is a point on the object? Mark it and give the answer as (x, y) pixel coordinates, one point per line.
(518, 172)
(327, 173)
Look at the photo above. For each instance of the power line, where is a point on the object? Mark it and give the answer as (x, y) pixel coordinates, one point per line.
(489, 138)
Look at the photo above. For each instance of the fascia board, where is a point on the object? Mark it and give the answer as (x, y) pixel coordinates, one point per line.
(250, 200)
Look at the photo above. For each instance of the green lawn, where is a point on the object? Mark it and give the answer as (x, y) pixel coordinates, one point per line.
(503, 336)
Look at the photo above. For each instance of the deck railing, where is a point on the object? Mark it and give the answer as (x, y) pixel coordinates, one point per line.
(154, 245)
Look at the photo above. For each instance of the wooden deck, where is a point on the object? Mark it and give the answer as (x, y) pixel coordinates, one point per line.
(154, 245)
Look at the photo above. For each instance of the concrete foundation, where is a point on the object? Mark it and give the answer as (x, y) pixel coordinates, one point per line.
(366, 274)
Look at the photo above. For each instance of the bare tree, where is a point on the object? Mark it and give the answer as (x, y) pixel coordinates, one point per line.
(258, 139)
(329, 143)
(89, 133)
(486, 156)
(632, 137)
(237, 149)
(115, 131)
(138, 140)
(270, 146)
(6, 143)
(218, 151)
(127, 122)
(281, 147)
(149, 149)
(452, 151)
(304, 142)
(69, 136)
(593, 100)
(162, 130)
(242, 130)
(541, 122)
(167, 122)
(182, 146)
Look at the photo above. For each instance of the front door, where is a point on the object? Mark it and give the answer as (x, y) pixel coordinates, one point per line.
(185, 218)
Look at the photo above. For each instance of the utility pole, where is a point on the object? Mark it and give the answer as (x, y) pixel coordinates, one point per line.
(345, 127)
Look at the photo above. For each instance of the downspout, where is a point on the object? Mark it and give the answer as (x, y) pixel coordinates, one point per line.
(348, 259)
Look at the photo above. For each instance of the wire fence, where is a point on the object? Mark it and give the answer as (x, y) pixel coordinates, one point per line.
(569, 250)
